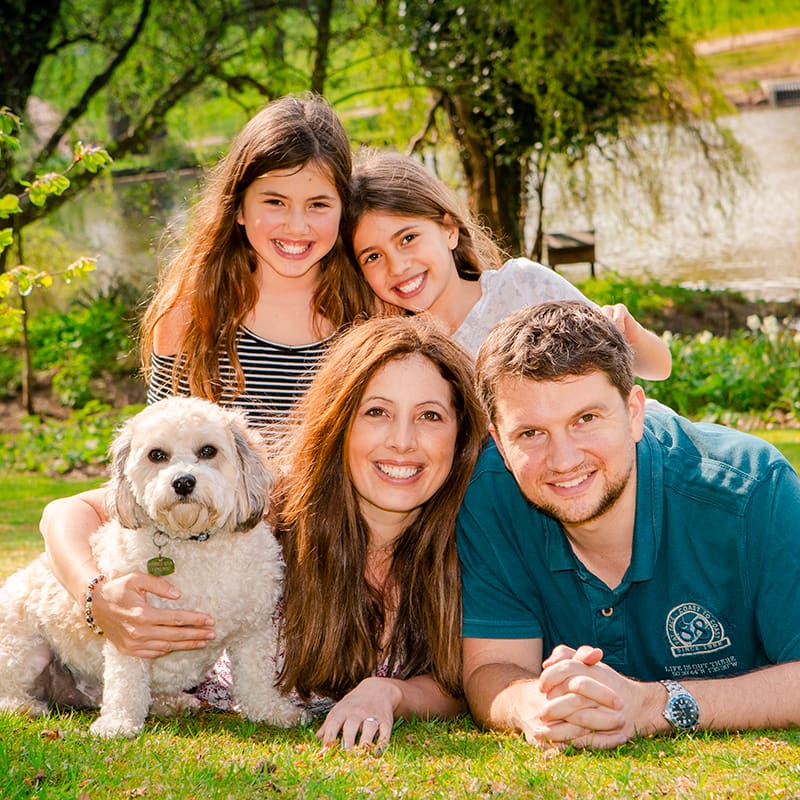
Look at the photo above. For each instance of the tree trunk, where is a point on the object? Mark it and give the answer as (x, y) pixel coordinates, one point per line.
(26, 36)
(494, 187)
(322, 46)
(27, 365)
(508, 200)
(27, 361)
(539, 179)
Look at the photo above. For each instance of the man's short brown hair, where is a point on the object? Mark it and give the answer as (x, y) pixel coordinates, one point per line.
(550, 342)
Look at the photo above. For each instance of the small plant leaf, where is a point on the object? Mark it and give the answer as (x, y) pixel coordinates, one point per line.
(51, 183)
(9, 204)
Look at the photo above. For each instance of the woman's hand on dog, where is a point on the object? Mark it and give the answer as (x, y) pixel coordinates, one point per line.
(136, 628)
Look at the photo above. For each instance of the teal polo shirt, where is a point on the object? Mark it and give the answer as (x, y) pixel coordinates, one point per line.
(713, 587)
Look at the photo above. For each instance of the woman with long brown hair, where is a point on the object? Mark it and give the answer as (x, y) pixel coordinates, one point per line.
(373, 481)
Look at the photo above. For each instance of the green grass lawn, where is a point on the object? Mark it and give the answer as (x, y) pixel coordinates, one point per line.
(215, 755)
(22, 498)
(787, 441)
(711, 19)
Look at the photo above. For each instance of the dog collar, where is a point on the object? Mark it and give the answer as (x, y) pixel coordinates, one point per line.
(163, 565)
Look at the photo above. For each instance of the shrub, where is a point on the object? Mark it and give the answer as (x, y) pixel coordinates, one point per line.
(93, 340)
(56, 447)
(753, 372)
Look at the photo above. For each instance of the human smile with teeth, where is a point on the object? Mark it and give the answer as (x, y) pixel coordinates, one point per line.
(401, 442)
(573, 483)
(399, 472)
(291, 218)
(408, 288)
(292, 249)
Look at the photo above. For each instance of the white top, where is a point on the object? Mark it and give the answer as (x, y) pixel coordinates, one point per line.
(518, 283)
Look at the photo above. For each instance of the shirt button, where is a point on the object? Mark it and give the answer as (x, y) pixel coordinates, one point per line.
(607, 612)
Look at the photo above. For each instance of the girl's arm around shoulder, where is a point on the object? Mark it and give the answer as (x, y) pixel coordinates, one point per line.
(119, 605)
(652, 359)
(66, 525)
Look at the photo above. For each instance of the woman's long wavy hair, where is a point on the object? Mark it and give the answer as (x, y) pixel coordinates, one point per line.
(392, 183)
(335, 620)
(211, 279)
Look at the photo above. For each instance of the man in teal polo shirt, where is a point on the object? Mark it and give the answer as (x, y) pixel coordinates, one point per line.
(622, 574)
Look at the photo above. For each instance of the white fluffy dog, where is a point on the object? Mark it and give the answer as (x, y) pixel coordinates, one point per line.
(188, 488)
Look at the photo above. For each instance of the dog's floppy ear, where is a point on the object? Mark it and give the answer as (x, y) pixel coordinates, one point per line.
(120, 501)
(255, 481)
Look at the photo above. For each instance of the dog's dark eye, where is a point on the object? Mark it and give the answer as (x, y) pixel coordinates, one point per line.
(207, 451)
(157, 455)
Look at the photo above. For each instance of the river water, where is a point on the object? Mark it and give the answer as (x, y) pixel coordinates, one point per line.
(756, 250)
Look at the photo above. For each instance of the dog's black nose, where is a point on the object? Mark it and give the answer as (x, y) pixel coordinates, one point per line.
(184, 484)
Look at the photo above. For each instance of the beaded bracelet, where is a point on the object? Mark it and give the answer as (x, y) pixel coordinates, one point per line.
(87, 605)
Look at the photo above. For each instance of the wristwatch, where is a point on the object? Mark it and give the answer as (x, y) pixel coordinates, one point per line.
(681, 710)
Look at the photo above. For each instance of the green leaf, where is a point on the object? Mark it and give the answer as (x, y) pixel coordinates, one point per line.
(6, 237)
(79, 269)
(24, 280)
(93, 156)
(6, 284)
(9, 142)
(7, 311)
(9, 204)
(9, 122)
(51, 183)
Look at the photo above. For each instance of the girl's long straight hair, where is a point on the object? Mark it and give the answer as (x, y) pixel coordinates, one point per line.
(211, 279)
(334, 618)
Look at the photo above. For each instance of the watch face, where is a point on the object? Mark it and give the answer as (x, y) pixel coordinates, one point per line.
(683, 711)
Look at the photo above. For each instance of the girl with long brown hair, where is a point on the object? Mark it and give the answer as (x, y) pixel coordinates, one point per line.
(420, 248)
(245, 311)
(243, 315)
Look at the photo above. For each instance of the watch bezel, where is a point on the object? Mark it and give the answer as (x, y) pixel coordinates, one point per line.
(682, 710)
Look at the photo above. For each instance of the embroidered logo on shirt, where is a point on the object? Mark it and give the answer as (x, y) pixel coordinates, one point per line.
(692, 629)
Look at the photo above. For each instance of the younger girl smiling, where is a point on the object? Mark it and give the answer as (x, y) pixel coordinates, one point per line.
(420, 249)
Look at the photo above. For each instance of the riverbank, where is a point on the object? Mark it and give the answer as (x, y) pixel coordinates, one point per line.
(744, 63)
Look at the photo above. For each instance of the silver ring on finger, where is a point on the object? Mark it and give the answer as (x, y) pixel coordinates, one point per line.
(372, 719)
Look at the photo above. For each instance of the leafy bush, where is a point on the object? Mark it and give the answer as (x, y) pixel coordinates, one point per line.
(645, 300)
(94, 339)
(56, 447)
(662, 307)
(754, 372)
(10, 378)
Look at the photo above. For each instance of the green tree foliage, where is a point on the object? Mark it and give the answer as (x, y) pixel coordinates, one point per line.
(123, 71)
(23, 278)
(524, 84)
(118, 68)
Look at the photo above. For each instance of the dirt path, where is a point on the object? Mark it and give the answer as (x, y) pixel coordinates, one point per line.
(742, 80)
(742, 40)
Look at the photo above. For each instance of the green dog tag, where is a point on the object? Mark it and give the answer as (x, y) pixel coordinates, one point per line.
(161, 565)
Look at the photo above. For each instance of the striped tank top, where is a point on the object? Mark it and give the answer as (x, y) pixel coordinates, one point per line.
(276, 377)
